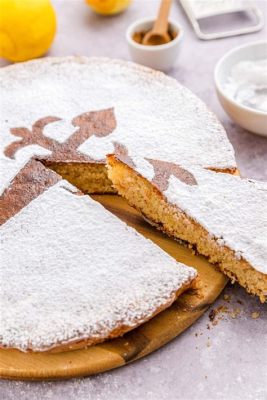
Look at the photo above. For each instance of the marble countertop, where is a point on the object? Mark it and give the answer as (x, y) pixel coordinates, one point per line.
(209, 361)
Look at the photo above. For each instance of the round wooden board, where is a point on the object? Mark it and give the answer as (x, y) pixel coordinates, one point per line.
(137, 343)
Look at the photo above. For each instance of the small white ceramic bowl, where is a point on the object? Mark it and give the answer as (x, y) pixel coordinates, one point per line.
(161, 57)
(253, 120)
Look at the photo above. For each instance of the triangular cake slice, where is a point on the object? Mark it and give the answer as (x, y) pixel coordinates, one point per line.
(222, 216)
(73, 274)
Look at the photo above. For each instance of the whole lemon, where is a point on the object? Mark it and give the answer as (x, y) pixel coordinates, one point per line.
(108, 7)
(27, 28)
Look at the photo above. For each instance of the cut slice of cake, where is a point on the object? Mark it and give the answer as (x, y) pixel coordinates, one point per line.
(73, 274)
(222, 216)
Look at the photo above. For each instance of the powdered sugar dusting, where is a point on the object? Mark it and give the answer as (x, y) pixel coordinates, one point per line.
(9, 170)
(59, 130)
(156, 117)
(10, 167)
(143, 167)
(232, 209)
(72, 271)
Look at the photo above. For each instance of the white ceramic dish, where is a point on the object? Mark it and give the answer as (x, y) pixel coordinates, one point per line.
(249, 118)
(160, 57)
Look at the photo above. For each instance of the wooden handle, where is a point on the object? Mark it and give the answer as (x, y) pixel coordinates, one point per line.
(161, 23)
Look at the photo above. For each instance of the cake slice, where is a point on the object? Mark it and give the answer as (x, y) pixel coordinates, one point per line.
(221, 215)
(73, 274)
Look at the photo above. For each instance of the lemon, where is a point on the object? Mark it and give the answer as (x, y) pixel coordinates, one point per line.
(108, 7)
(27, 28)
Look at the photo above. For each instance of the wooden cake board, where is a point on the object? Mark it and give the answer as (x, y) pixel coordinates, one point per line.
(137, 343)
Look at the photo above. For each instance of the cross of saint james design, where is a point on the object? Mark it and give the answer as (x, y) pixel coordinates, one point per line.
(94, 123)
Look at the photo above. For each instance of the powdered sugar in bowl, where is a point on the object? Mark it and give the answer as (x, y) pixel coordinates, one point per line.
(241, 84)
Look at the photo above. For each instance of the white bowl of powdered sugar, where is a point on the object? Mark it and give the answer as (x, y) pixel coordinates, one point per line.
(241, 84)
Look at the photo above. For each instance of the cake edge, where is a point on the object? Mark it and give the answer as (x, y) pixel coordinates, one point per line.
(117, 166)
(78, 344)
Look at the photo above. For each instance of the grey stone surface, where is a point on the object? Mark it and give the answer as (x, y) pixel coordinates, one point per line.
(228, 361)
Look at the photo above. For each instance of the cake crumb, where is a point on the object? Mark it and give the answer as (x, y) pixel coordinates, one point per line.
(215, 315)
(226, 297)
(255, 315)
(223, 309)
(235, 312)
(212, 315)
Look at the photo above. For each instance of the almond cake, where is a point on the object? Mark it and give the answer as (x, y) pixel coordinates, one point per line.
(68, 280)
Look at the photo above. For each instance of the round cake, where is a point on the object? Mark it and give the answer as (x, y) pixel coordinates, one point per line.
(71, 112)
(68, 278)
